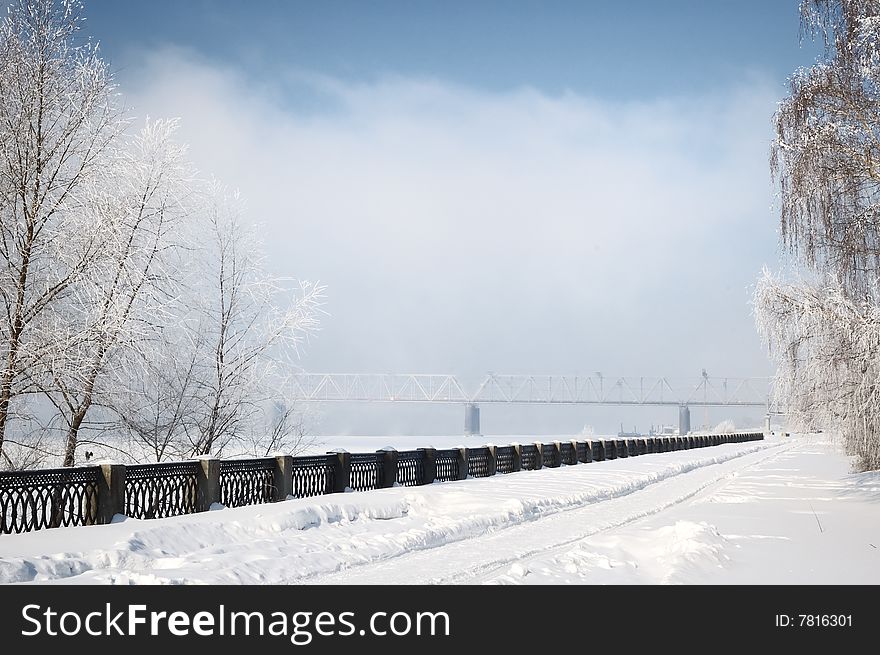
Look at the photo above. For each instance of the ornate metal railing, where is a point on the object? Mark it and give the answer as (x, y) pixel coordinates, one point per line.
(447, 465)
(567, 453)
(313, 475)
(610, 449)
(504, 459)
(550, 455)
(156, 491)
(247, 481)
(478, 462)
(529, 453)
(367, 471)
(411, 468)
(33, 500)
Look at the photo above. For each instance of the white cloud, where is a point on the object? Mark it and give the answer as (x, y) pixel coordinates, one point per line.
(465, 231)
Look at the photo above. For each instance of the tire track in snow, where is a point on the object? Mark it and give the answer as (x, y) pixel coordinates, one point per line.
(490, 570)
(473, 557)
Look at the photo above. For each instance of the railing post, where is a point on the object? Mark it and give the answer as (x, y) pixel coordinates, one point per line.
(493, 463)
(539, 457)
(429, 465)
(577, 460)
(341, 461)
(462, 464)
(389, 463)
(207, 483)
(282, 477)
(111, 493)
(517, 457)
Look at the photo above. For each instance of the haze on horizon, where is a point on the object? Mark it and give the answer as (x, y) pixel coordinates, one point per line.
(507, 187)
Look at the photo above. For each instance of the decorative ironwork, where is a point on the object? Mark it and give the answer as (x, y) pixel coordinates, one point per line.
(550, 454)
(529, 455)
(504, 458)
(367, 471)
(314, 475)
(51, 498)
(32, 500)
(478, 462)
(247, 481)
(610, 449)
(447, 465)
(155, 491)
(567, 454)
(411, 468)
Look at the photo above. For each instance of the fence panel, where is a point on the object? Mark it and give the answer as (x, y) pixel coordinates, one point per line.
(410, 467)
(504, 457)
(567, 454)
(551, 455)
(529, 453)
(247, 481)
(447, 465)
(367, 471)
(51, 498)
(156, 491)
(478, 462)
(313, 476)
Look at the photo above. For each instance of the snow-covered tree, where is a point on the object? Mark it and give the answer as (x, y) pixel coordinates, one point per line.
(134, 296)
(220, 386)
(58, 117)
(134, 208)
(826, 155)
(822, 325)
(249, 325)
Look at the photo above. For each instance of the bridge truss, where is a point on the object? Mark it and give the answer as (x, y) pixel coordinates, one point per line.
(533, 389)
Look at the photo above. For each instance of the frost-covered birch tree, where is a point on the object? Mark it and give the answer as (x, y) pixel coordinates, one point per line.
(135, 208)
(249, 325)
(135, 298)
(822, 325)
(58, 117)
(227, 354)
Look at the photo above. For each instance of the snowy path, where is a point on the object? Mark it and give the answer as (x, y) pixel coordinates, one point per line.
(799, 517)
(734, 513)
(479, 558)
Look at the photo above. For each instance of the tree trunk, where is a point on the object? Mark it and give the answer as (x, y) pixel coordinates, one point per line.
(16, 329)
(77, 419)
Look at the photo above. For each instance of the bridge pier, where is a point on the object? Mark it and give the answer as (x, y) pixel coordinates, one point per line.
(471, 419)
(684, 420)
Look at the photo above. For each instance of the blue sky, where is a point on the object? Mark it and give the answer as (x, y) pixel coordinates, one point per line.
(616, 49)
(517, 187)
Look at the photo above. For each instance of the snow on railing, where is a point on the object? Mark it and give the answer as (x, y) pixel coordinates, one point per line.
(34, 500)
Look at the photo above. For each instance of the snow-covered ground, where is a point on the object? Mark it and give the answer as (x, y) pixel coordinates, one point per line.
(777, 511)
